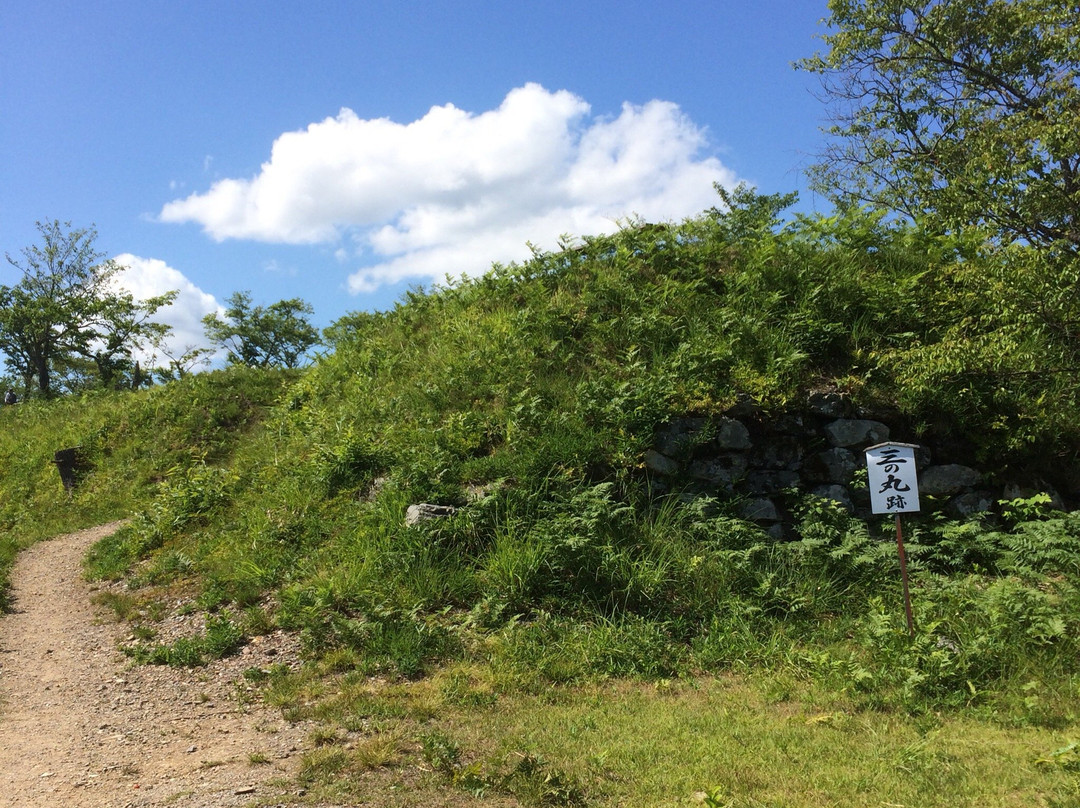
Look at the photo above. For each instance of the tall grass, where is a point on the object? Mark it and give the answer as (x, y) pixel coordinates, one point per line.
(132, 442)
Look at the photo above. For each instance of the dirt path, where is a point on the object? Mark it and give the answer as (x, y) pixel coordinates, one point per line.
(79, 726)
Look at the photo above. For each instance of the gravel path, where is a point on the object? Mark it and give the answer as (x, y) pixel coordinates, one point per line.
(80, 726)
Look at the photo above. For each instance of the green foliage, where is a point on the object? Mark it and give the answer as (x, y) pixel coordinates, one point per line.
(403, 644)
(278, 335)
(189, 493)
(221, 638)
(132, 441)
(958, 110)
(531, 780)
(65, 315)
(958, 115)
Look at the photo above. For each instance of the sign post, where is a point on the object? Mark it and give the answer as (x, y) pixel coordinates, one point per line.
(894, 488)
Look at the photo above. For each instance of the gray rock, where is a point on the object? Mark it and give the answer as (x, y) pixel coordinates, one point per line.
(732, 435)
(837, 493)
(778, 452)
(946, 480)
(661, 464)
(1019, 491)
(373, 490)
(856, 432)
(969, 504)
(759, 510)
(422, 512)
(724, 470)
(834, 465)
(771, 482)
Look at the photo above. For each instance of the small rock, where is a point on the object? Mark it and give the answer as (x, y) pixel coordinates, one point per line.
(422, 512)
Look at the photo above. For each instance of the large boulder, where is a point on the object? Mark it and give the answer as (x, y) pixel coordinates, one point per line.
(760, 510)
(968, 504)
(846, 432)
(731, 435)
(835, 465)
(947, 480)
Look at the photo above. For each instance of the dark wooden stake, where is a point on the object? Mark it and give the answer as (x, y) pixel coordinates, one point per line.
(903, 575)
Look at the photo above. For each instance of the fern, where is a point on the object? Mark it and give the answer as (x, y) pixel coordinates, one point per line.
(1043, 548)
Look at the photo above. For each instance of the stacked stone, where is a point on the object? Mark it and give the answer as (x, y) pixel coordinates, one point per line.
(756, 460)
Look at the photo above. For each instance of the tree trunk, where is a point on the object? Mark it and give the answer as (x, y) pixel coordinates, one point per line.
(41, 370)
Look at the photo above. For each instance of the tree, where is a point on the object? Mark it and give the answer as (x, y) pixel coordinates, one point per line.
(180, 363)
(962, 115)
(958, 112)
(67, 311)
(275, 335)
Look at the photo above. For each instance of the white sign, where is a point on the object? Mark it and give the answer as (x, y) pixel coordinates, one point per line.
(894, 484)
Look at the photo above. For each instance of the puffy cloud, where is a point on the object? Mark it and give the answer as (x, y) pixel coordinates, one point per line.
(453, 191)
(149, 277)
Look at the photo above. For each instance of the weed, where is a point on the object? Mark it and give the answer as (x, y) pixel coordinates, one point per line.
(377, 752)
(324, 736)
(323, 762)
(440, 751)
(221, 638)
(143, 633)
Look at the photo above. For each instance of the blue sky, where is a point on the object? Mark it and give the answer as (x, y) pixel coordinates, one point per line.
(342, 152)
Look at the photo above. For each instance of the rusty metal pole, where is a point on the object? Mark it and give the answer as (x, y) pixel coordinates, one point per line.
(903, 576)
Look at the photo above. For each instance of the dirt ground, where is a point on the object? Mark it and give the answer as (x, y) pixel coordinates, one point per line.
(81, 726)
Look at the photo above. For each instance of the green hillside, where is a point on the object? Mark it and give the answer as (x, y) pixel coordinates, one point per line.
(527, 399)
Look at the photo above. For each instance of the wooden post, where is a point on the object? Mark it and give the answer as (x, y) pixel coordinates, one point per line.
(903, 576)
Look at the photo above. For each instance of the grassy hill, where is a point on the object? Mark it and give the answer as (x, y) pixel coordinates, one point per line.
(526, 399)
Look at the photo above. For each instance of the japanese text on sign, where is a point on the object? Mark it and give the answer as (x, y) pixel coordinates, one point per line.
(894, 484)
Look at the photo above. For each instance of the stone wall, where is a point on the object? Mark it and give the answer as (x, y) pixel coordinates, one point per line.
(757, 461)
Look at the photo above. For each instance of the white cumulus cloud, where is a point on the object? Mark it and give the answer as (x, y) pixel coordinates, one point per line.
(453, 191)
(149, 277)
